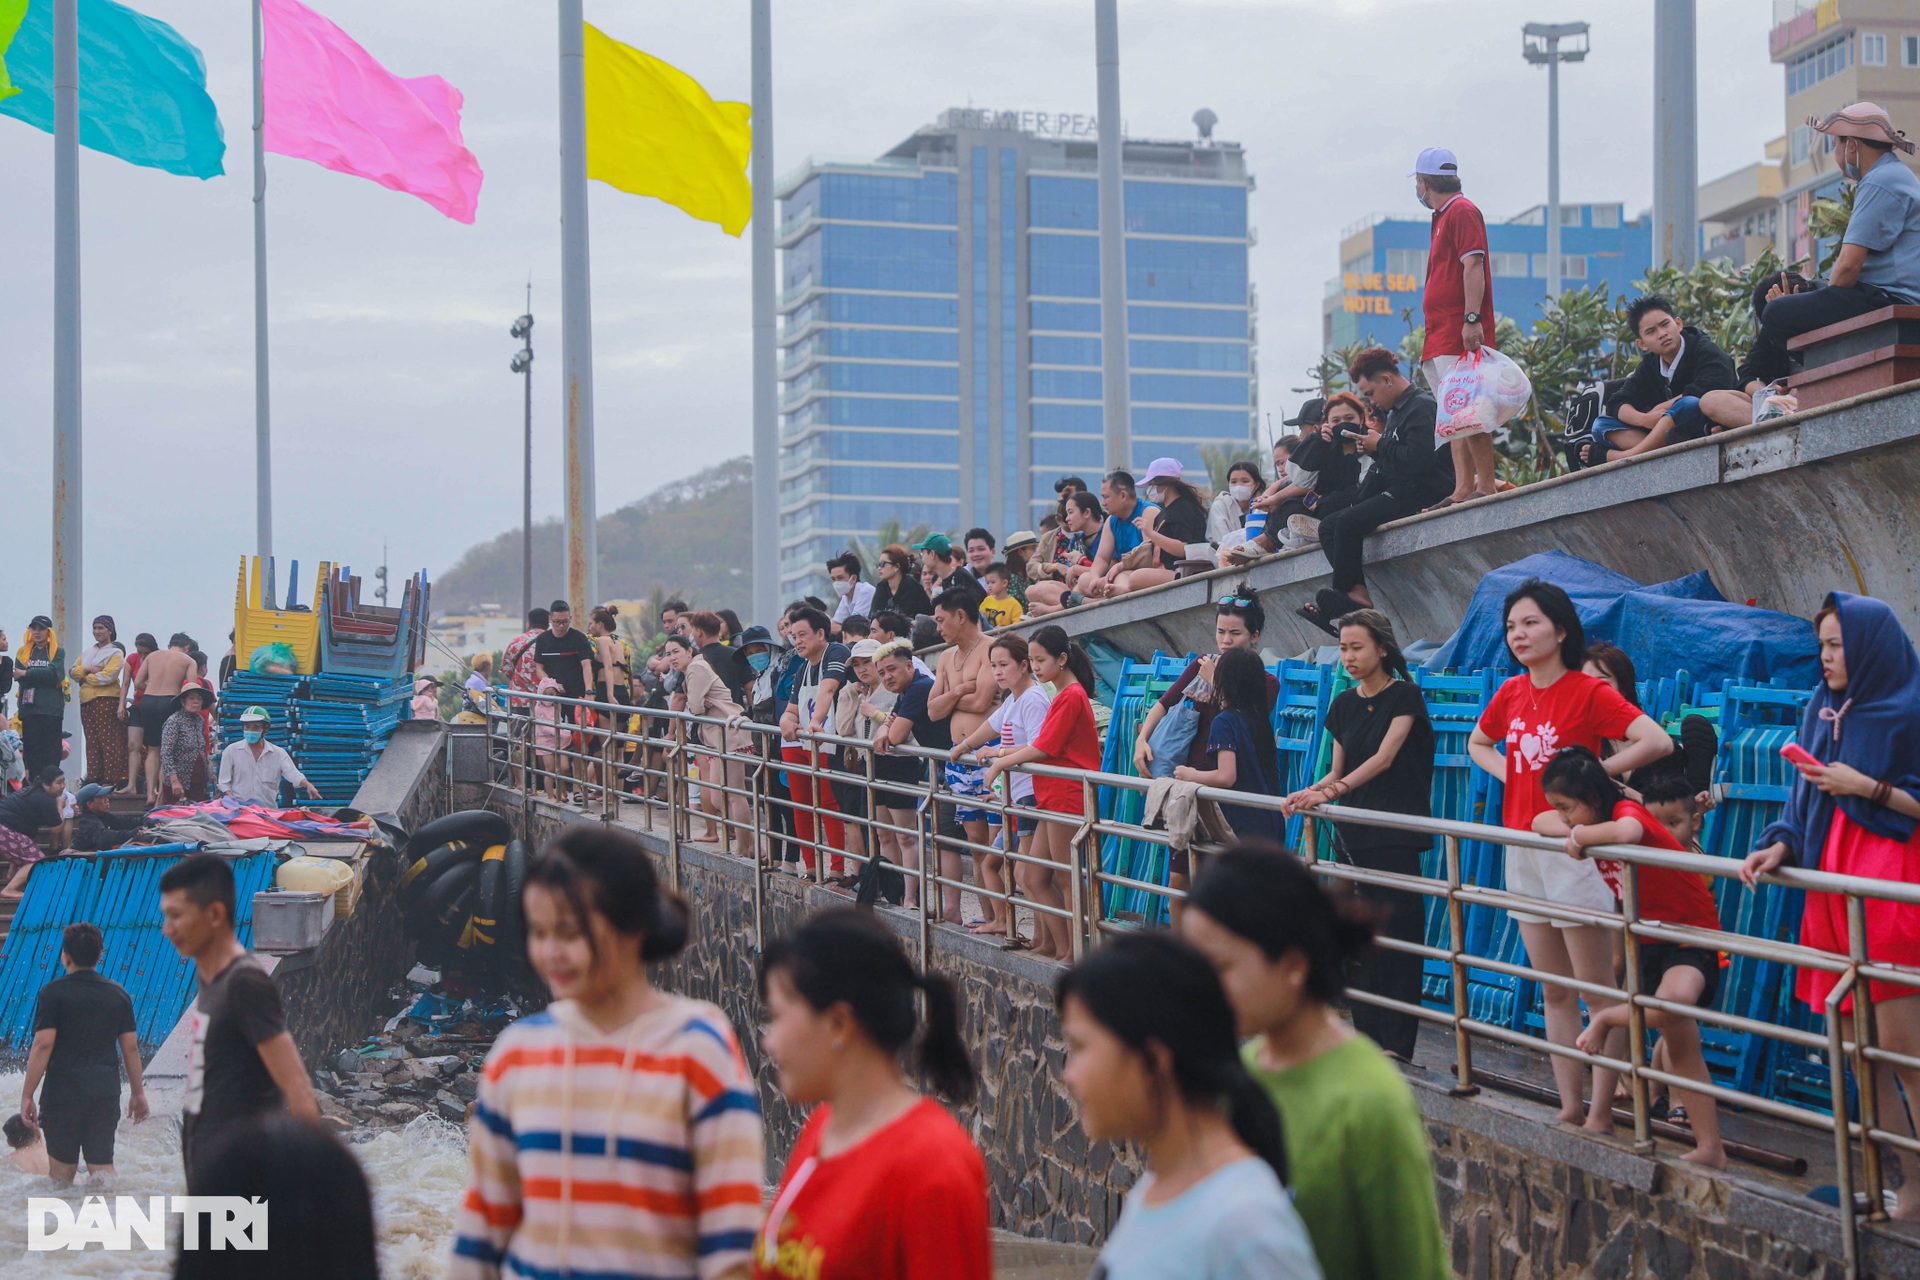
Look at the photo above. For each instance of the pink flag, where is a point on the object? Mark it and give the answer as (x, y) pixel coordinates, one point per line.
(328, 101)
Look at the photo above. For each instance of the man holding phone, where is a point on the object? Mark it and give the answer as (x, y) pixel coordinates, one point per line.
(1408, 476)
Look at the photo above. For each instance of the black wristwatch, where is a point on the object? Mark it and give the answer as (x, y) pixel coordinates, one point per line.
(1472, 317)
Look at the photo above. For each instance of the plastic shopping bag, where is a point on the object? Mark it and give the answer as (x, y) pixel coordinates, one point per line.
(1482, 391)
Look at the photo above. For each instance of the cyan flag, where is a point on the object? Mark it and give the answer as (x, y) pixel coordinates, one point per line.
(143, 88)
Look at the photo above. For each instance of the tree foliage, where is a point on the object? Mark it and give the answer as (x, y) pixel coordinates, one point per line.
(1583, 337)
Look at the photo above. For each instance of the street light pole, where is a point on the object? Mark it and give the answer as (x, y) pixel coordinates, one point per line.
(523, 364)
(1540, 44)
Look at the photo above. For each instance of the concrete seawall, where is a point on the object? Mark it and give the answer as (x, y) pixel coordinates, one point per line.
(1780, 512)
(1519, 1195)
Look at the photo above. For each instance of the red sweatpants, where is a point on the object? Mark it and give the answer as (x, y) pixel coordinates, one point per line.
(801, 785)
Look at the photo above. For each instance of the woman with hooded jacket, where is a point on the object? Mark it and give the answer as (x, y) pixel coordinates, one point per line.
(1857, 813)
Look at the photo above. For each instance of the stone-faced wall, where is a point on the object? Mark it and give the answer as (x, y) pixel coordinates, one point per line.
(333, 994)
(1048, 1182)
(1522, 1198)
(1526, 1199)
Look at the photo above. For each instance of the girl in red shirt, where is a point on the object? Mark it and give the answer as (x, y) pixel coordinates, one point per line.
(1067, 738)
(1549, 707)
(1589, 808)
(883, 1183)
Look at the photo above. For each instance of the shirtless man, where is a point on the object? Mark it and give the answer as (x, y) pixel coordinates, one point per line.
(160, 679)
(964, 692)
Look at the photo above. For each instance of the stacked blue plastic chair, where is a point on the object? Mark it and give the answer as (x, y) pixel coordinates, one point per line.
(1141, 683)
(121, 894)
(340, 727)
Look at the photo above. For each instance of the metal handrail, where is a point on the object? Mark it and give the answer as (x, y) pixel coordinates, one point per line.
(1846, 1039)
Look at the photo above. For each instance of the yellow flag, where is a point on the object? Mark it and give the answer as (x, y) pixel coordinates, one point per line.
(653, 131)
(12, 13)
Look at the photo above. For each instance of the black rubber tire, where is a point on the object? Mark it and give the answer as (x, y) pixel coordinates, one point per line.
(486, 910)
(445, 906)
(422, 871)
(482, 826)
(510, 934)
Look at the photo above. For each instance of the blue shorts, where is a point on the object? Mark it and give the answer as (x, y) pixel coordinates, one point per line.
(1688, 423)
(969, 781)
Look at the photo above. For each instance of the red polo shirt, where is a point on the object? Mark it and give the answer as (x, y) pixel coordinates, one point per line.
(1458, 232)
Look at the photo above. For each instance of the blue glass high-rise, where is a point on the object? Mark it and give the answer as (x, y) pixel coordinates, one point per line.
(941, 326)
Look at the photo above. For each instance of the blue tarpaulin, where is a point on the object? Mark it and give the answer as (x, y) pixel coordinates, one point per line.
(1682, 625)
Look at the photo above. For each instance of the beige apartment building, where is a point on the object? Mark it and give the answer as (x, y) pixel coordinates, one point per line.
(1834, 52)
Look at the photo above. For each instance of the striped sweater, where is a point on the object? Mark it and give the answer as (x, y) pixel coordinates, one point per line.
(678, 1196)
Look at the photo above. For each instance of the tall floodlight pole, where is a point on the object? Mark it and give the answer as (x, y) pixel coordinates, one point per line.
(262, 417)
(66, 606)
(522, 364)
(1540, 43)
(766, 424)
(1113, 239)
(1676, 141)
(576, 313)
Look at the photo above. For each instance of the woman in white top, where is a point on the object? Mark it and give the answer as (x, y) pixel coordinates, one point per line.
(1152, 1058)
(1231, 504)
(1015, 722)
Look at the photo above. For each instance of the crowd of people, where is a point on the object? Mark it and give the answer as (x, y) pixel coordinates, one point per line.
(148, 736)
(619, 1131)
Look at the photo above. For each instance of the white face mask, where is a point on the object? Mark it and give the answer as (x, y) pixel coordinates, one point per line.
(843, 589)
(1240, 492)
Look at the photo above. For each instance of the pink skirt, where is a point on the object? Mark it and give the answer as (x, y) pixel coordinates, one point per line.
(18, 850)
(1893, 928)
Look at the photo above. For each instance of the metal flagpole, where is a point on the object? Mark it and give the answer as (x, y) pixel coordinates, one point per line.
(262, 399)
(1113, 244)
(1676, 135)
(66, 606)
(576, 312)
(766, 426)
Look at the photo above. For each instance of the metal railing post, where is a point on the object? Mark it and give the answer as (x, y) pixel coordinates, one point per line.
(819, 814)
(1865, 1082)
(676, 782)
(1457, 944)
(524, 741)
(929, 858)
(757, 786)
(609, 807)
(1636, 1016)
(1842, 1139)
(1084, 855)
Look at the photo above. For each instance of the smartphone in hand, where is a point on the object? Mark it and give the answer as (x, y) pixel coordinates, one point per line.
(1799, 756)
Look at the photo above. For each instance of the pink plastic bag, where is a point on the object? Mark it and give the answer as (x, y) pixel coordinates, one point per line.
(1483, 390)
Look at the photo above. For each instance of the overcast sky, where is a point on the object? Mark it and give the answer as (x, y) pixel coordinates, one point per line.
(395, 417)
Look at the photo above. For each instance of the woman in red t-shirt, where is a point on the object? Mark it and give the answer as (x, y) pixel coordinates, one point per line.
(1590, 808)
(883, 1183)
(1068, 738)
(1550, 706)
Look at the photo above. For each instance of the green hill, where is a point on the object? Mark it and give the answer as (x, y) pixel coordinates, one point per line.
(689, 538)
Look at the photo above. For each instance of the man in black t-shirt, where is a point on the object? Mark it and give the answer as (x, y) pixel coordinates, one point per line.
(78, 1024)
(564, 653)
(242, 1063)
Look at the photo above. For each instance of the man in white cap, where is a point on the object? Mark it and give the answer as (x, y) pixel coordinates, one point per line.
(252, 769)
(1879, 262)
(1457, 307)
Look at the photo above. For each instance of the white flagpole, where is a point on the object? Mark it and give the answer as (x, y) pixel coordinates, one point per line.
(66, 605)
(766, 423)
(262, 400)
(576, 313)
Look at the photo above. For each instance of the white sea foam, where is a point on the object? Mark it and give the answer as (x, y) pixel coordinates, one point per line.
(417, 1173)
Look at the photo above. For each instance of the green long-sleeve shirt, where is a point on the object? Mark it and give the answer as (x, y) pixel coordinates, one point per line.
(1359, 1169)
